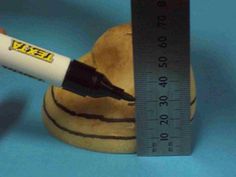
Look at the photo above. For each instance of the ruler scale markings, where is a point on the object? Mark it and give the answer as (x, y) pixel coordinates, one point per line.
(162, 83)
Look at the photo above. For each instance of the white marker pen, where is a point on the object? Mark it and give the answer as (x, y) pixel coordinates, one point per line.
(58, 70)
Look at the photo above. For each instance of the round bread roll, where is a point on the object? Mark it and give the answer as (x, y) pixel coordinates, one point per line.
(100, 124)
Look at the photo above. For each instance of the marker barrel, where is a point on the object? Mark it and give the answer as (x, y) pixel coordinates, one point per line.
(33, 61)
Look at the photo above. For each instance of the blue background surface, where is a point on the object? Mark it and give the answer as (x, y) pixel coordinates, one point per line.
(70, 27)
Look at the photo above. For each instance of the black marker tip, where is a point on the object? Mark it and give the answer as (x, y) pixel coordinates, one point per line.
(114, 91)
(127, 97)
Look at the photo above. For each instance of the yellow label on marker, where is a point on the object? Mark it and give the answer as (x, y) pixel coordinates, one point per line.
(31, 51)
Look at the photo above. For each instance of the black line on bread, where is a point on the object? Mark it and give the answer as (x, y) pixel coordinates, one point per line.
(83, 134)
(194, 101)
(95, 116)
(86, 115)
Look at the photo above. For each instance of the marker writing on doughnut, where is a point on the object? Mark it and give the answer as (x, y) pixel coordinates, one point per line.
(58, 70)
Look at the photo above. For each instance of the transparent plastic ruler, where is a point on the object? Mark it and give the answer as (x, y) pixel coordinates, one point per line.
(161, 39)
